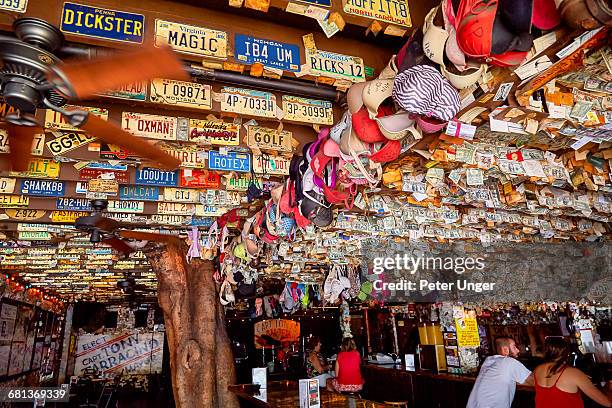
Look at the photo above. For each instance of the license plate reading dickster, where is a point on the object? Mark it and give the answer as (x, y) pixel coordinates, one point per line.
(267, 52)
(248, 102)
(232, 161)
(308, 110)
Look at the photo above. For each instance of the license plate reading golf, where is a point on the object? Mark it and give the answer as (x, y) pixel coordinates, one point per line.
(149, 126)
(308, 110)
(271, 139)
(156, 177)
(190, 39)
(248, 102)
(43, 188)
(334, 65)
(181, 93)
(232, 161)
(267, 52)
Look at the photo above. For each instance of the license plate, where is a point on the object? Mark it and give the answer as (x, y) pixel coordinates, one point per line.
(134, 91)
(56, 121)
(334, 65)
(17, 6)
(103, 23)
(38, 144)
(7, 185)
(4, 145)
(181, 93)
(238, 183)
(249, 50)
(189, 39)
(25, 214)
(40, 168)
(176, 208)
(34, 236)
(199, 178)
(141, 193)
(43, 188)
(181, 195)
(102, 186)
(116, 206)
(209, 210)
(107, 166)
(156, 177)
(200, 222)
(395, 12)
(190, 156)
(73, 204)
(248, 102)
(269, 139)
(210, 132)
(68, 141)
(115, 152)
(231, 161)
(308, 110)
(149, 126)
(122, 177)
(174, 220)
(67, 216)
(271, 165)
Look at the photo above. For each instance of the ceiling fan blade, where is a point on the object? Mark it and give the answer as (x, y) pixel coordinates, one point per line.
(110, 133)
(82, 79)
(96, 221)
(119, 245)
(149, 236)
(20, 142)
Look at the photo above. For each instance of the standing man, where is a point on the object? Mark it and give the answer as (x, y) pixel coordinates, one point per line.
(499, 374)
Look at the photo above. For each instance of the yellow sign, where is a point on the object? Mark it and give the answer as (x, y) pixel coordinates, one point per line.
(308, 110)
(25, 214)
(40, 168)
(214, 133)
(57, 121)
(14, 201)
(67, 216)
(269, 139)
(467, 330)
(68, 141)
(103, 186)
(189, 39)
(181, 195)
(7, 185)
(176, 208)
(181, 93)
(395, 12)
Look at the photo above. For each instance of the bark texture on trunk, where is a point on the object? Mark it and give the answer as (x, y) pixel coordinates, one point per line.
(201, 361)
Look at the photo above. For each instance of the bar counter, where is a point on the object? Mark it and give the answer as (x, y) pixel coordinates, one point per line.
(428, 389)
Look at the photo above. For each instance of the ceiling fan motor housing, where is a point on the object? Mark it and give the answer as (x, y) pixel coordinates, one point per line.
(26, 63)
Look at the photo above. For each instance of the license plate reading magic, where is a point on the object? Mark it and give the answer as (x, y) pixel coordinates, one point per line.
(248, 102)
(334, 65)
(149, 126)
(18, 6)
(232, 161)
(394, 12)
(190, 39)
(267, 52)
(181, 93)
(308, 110)
(102, 23)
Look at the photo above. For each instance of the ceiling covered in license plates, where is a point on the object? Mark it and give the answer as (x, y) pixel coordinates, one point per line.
(521, 153)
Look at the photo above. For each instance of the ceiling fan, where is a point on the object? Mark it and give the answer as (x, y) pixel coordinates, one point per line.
(109, 231)
(32, 77)
(129, 286)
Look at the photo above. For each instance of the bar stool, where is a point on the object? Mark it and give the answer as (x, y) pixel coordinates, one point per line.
(397, 404)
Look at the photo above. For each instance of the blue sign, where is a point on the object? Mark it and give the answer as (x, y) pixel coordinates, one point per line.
(103, 23)
(232, 161)
(140, 193)
(43, 188)
(73, 204)
(156, 177)
(269, 53)
(324, 3)
(107, 166)
(200, 221)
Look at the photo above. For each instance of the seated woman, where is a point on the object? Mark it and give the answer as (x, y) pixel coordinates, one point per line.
(316, 365)
(348, 369)
(557, 385)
